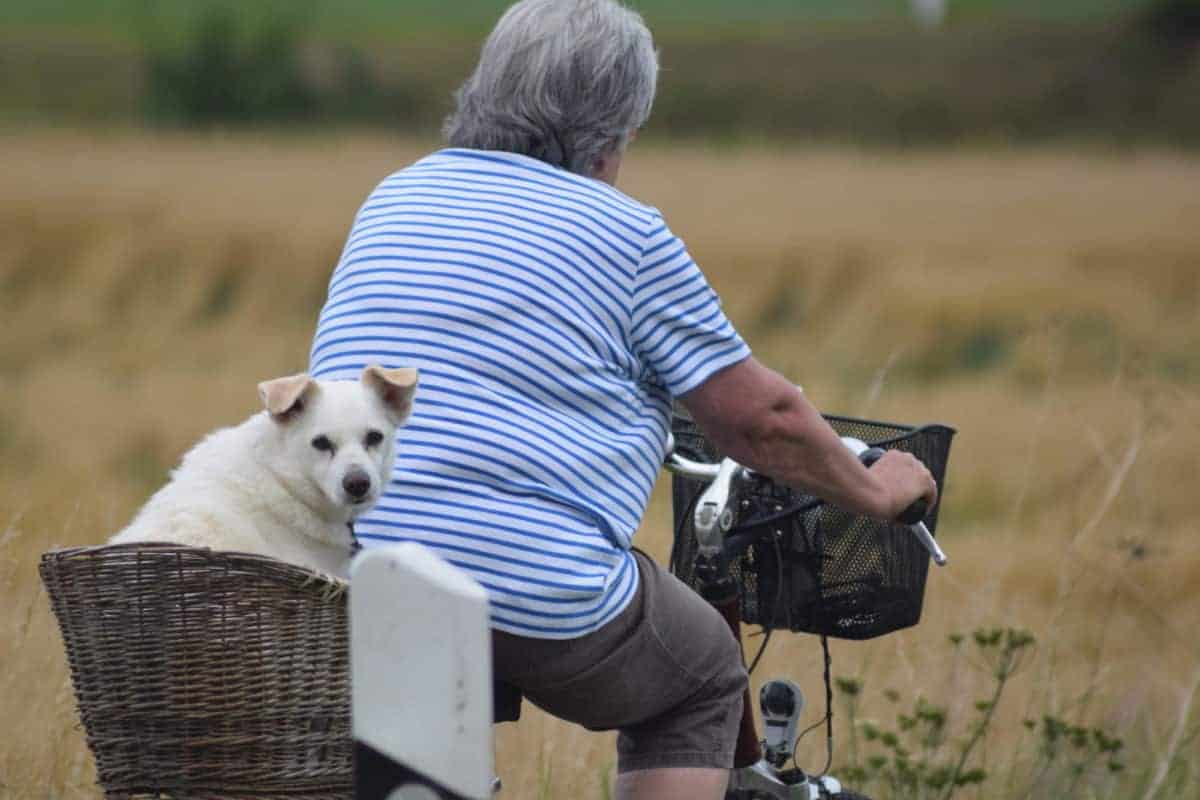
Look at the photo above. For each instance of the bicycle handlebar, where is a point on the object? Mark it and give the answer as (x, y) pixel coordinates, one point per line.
(713, 517)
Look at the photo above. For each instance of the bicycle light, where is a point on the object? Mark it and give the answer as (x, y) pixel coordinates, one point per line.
(781, 703)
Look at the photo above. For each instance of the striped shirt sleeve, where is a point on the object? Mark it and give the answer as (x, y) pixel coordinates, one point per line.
(679, 334)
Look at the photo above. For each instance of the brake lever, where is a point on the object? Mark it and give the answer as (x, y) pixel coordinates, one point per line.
(713, 516)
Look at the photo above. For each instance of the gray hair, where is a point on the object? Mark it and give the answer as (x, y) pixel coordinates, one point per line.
(562, 81)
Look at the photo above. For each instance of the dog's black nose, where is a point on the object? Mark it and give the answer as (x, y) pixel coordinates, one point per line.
(357, 484)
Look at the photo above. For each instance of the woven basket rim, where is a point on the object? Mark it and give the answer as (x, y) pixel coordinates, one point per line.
(283, 571)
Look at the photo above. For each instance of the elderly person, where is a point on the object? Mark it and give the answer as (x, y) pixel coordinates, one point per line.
(554, 320)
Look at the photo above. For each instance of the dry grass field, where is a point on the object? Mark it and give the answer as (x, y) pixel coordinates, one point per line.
(1046, 304)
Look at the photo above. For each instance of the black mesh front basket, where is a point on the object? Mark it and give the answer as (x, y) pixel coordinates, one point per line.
(808, 567)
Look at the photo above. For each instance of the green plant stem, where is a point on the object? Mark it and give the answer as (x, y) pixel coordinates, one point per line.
(852, 715)
(980, 730)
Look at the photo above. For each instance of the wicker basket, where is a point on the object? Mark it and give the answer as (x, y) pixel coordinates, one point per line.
(206, 674)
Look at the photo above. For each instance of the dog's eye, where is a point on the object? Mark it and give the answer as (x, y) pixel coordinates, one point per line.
(373, 438)
(323, 443)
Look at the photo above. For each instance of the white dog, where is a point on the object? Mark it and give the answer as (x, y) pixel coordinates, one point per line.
(288, 482)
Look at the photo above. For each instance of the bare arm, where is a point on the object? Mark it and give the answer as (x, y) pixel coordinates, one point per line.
(757, 417)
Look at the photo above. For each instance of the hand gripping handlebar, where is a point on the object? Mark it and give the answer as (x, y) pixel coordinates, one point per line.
(713, 517)
(911, 516)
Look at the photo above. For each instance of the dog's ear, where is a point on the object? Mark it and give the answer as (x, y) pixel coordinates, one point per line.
(284, 397)
(395, 388)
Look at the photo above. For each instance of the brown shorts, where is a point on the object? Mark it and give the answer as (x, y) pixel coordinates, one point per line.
(666, 672)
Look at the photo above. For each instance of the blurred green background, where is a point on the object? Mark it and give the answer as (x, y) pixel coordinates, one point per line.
(865, 71)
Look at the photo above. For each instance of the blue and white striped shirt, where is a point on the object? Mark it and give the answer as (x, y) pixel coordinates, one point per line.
(552, 319)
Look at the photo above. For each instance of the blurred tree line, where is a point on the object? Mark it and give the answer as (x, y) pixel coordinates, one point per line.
(1132, 78)
(232, 71)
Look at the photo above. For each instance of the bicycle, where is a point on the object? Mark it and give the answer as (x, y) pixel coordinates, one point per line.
(760, 553)
(764, 553)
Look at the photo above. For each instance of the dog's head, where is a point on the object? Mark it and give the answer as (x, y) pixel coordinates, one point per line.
(339, 436)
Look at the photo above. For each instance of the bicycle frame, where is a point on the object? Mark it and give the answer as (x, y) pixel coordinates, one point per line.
(442, 746)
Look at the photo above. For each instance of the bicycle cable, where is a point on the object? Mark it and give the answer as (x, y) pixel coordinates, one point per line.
(769, 629)
(827, 719)
(819, 540)
(673, 559)
(828, 708)
(762, 648)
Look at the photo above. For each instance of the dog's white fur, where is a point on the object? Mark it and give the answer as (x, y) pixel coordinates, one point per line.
(287, 482)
